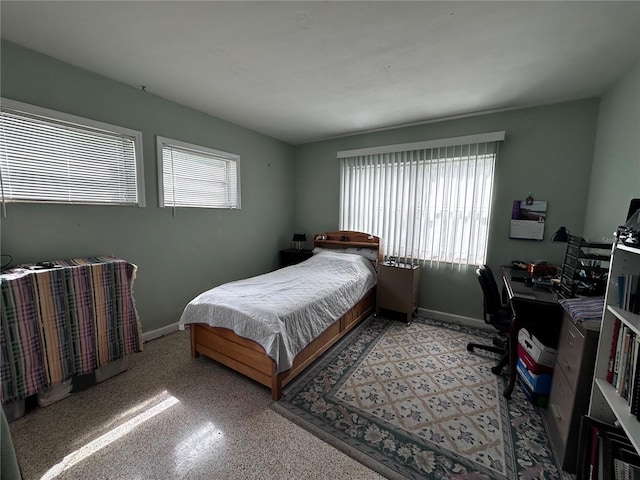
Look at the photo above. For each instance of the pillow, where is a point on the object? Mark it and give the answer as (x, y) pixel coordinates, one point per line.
(368, 253)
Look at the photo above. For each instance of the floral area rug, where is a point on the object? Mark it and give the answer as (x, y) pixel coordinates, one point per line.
(412, 402)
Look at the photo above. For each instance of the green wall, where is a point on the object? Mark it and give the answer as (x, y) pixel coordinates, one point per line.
(547, 151)
(177, 257)
(615, 175)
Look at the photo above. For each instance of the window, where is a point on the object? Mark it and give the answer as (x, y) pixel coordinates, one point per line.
(193, 176)
(428, 201)
(49, 156)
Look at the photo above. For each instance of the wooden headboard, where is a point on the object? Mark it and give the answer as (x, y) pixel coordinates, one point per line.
(348, 239)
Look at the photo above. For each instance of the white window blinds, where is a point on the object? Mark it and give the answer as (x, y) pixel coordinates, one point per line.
(49, 156)
(429, 201)
(194, 176)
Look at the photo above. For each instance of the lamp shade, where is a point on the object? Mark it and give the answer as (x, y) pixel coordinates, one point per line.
(299, 237)
(561, 235)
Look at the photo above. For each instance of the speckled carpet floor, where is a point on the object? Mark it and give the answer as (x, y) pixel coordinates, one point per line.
(412, 402)
(173, 417)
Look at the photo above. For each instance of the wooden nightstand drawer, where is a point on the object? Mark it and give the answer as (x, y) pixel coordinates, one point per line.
(570, 350)
(292, 256)
(398, 288)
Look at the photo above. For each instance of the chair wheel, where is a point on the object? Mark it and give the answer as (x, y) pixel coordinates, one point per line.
(470, 348)
(496, 370)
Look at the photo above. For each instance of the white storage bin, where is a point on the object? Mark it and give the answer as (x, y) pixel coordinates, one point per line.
(14, 410)
(54, 394)
(541, 354)
(111, 369)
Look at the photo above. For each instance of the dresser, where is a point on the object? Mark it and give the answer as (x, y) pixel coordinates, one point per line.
(66, 319)
(570, 389)
(398, 288)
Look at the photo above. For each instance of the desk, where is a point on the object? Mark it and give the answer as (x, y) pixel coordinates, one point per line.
(535, 308)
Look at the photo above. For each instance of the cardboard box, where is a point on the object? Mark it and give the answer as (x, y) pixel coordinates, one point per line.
(13, 410)
(535, 399)
(539, 353)
(55, 393)
(539, 384)
(532, 366)
(110, 369)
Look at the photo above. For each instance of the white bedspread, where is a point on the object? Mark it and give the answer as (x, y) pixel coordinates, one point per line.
(286, 309)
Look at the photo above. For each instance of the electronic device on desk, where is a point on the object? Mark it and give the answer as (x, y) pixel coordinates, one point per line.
(541, 268)
(520, 275)
(519, 264)
(544, 282)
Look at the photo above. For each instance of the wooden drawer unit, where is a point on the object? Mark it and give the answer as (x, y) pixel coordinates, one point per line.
(570, 389)
(398, 288)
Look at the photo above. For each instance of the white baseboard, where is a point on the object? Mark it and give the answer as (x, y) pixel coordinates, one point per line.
(445, 317)
(452, 318)
(160, 332)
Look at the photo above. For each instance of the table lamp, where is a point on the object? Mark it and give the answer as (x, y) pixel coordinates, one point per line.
(298, 240)
(561, 235)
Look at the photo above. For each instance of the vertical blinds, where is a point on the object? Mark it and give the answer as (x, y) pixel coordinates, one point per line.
(46, 159)
(431, 205)
(198, 178)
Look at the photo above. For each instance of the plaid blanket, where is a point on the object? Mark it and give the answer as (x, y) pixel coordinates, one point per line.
(583, 309)
(64, 321)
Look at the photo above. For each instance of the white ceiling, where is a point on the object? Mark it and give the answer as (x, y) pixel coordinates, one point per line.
(304, 71)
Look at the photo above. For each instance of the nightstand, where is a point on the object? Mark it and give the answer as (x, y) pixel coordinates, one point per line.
(291, 256)
(398, 287)
(570, 389)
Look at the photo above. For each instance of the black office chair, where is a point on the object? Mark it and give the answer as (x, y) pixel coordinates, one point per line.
(496, 314)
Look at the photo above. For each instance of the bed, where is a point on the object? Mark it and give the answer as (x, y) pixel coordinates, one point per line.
(272, 340)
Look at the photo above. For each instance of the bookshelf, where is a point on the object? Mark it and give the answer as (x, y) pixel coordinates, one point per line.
(607, 404)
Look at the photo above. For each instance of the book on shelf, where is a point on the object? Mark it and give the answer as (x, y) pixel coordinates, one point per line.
(632, 295)
(629, 292)
(622, 369)
(621, 460)
(633, 365)
(605, 452)
(625, 470)
(593, 455)
(618, 353)
(634, 401)
(612, 351)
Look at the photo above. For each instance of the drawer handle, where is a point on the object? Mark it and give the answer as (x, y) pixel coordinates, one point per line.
(566, 365)
(571, 338)
(556, 412)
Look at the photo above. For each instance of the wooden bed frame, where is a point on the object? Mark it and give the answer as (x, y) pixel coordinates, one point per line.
(249, 358)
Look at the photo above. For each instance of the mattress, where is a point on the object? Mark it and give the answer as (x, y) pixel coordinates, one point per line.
(286, 309)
